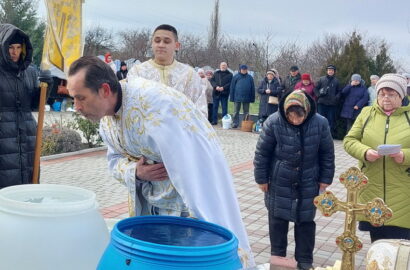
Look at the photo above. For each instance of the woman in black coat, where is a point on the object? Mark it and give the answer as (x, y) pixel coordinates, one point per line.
(268, 87)
(294, 160)
(18, 96)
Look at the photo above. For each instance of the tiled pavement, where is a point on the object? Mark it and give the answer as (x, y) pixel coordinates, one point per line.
(90, 171)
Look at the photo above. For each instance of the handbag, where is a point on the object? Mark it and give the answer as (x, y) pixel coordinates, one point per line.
(273, 100)
(62, 88)
(246, 124)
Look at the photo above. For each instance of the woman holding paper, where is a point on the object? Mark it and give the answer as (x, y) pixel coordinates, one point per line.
(384, 126)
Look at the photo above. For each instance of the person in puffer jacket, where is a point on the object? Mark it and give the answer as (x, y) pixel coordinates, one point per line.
(18, 96)
(294, 160)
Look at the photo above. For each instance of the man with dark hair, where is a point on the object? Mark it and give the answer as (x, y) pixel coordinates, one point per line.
(160, 146)
(328, 92)
(165, 69)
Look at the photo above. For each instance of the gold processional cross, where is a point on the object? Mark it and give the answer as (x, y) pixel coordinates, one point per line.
(376, 212)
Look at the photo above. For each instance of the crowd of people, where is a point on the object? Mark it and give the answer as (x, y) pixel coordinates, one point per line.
(162, 109)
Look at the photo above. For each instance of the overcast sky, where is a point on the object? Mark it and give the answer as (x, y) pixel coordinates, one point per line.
(287, 20)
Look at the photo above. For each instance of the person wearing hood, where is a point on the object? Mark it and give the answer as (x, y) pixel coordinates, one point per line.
(18, 97)
(122, 73)
(387, 121)
(294, 160)
(108, 60)
(356, 97)
(242, 93)
(269, 95)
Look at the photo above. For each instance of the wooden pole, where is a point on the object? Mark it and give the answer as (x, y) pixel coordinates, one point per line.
(40, 121)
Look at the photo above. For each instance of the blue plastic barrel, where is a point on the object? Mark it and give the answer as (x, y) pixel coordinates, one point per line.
(170, 243)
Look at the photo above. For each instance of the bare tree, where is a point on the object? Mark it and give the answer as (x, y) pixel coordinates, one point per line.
(98, 40)
(214, 35)
(288, 54)
(134, 44)
(192, 51)
(322, 53)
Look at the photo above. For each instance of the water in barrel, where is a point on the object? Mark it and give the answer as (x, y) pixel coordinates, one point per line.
(175, 235)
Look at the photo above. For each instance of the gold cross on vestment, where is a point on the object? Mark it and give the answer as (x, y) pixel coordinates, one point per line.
(375, 211)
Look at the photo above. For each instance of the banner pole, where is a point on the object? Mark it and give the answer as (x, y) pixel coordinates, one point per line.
(39, 135)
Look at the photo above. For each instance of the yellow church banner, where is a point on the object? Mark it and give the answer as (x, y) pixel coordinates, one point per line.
(63, 41)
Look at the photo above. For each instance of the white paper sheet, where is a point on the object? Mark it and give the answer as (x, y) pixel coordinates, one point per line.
(388, 149)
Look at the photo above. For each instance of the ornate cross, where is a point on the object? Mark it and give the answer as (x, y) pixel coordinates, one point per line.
(375, 211)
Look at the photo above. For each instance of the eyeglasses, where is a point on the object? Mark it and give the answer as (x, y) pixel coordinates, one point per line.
(389, 96)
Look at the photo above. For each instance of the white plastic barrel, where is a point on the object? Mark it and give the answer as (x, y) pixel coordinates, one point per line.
(49, 227)
(226, 121)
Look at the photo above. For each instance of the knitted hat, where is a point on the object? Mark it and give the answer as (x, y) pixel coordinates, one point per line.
(356, 77)
(200, 70)
(16, 39)
(394, 81)
(270, 72)
(374, 77)
(294, 68)
(243, 67)
(123, 63)
(306, 76)
(331, 67)
(297, 98)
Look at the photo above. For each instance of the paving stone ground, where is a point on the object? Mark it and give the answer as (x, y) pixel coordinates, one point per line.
(90, 171)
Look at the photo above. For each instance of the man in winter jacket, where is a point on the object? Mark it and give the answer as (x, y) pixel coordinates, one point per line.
(291, 80)
(221, 83)
(18, 95)
(242, 93)
(328, 92)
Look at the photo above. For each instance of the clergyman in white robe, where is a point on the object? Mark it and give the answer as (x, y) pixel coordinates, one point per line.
(163, 125)
(178, 76)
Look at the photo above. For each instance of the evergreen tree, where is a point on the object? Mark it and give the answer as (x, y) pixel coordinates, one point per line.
(23, 14)
(353, 60)
(382, 63)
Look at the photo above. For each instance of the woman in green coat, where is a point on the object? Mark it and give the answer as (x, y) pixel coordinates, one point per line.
(387, 121)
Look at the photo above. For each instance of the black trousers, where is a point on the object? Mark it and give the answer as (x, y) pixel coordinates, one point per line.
(304, 234)
(384, 232)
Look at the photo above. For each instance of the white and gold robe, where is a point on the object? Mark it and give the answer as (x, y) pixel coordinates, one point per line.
(178, 76)
(163, 125)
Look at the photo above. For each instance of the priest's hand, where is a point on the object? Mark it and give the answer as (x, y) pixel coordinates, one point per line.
(150, 172)
(263, 187)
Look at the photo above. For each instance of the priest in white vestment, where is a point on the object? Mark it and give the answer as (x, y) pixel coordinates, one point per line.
(165, 69)
(148, 121)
